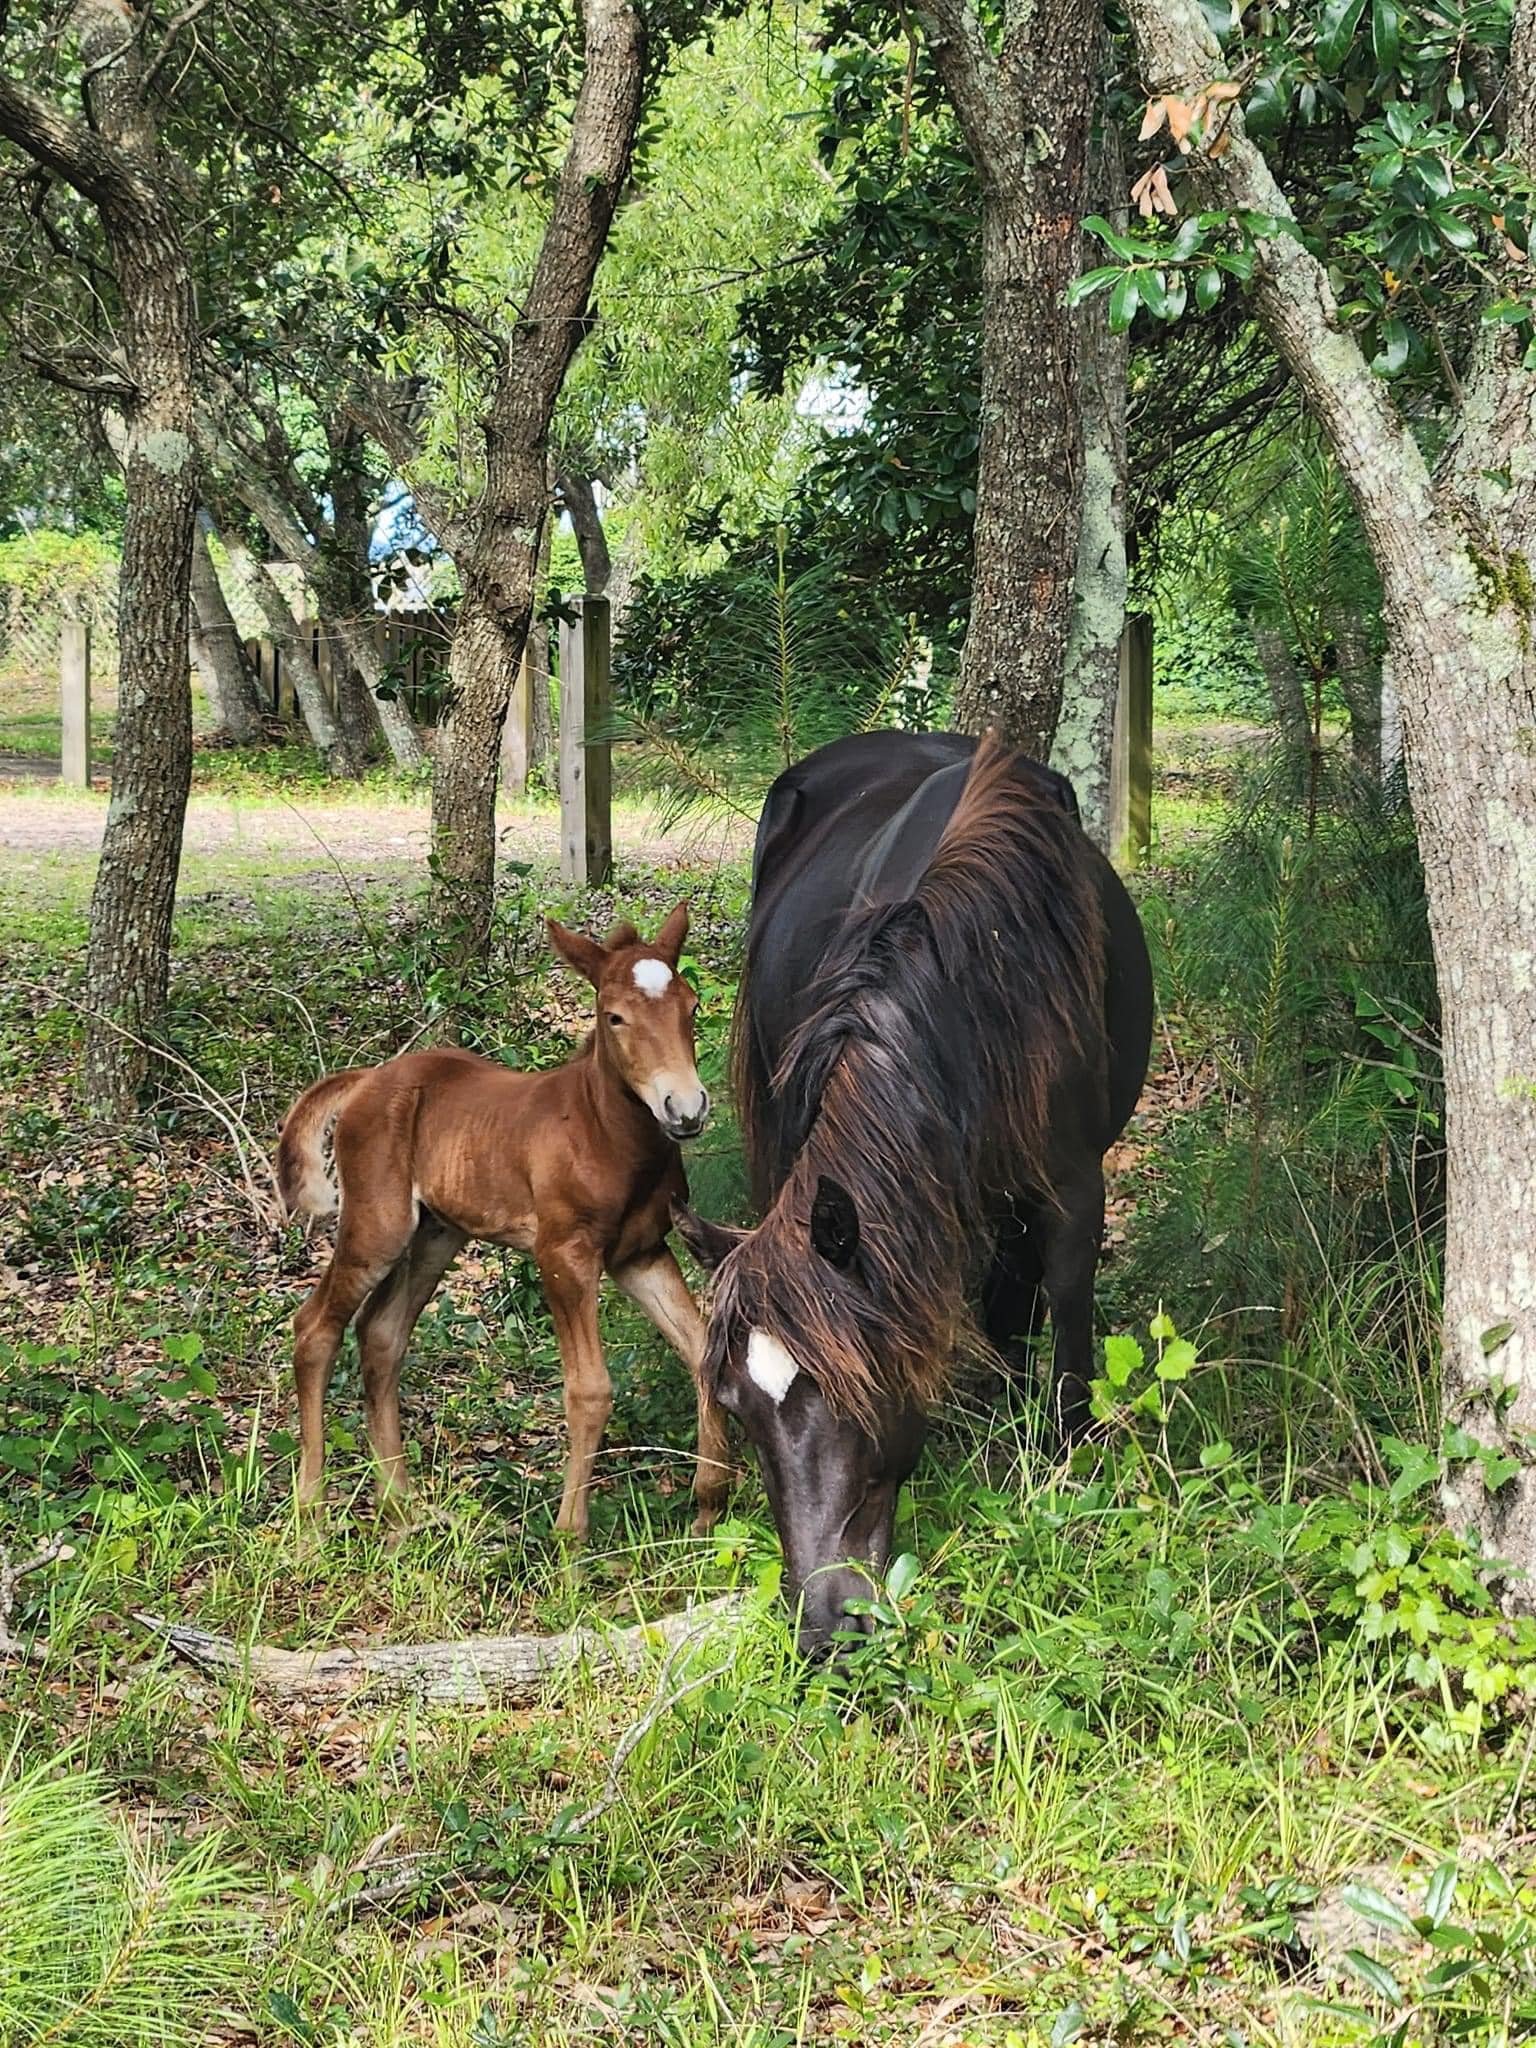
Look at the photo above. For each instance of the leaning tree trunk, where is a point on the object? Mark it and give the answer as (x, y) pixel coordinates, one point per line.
(115, 163)
(1287, 692)
(356, 707)
(1083, 749)
(579, 498)
(261, 590)
(1360, 682)
(496, 568)
(218, 649)
(1451, 551)
(1026, 115)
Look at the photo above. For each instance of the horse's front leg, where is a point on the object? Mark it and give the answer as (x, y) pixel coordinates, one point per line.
(655, 1284)
(570, 1271)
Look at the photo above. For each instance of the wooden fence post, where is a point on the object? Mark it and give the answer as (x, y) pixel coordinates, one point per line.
(586, 771)
(1130, 776)
(517, 733)
(75, 702)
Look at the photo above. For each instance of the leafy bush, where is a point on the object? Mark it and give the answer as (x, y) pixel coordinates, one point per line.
(1295, 962)
(105, 1942)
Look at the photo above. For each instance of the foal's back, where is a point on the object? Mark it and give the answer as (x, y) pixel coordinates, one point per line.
(480, 1146)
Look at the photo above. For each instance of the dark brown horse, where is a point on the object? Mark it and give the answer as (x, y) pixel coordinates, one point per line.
(579, 1166)
(943, 1027)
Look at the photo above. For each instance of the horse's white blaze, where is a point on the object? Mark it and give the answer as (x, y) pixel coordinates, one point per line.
(652, 977)
(770, 1366)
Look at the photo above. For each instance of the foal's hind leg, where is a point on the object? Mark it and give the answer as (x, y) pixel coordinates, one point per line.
(657, 1288)
(383, 1331)
(1071, 1231)
(368, 1244)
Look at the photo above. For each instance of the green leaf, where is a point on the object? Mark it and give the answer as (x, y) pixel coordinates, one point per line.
(1176, 1361)
(1123, 1357)
(1492, 1340)
(1336, 31)
(1440, 1895)
(1162, 1327)
(1123, 301)
(1207, 288)
(902, 1576)
(1377, 1975)
(1093, 281)
(1111, 237)
(1393, 353)
(1371, 1904)
(1068, 2025)
(1216, 1455)
(1386, 32)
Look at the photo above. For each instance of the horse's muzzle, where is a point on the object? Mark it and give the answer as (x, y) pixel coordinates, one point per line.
(824, 1616)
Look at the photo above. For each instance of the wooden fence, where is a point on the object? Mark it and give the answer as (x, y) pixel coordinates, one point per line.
(412, 645)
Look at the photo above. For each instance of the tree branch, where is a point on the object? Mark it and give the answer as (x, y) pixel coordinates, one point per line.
(971, 73)
(1378, 456)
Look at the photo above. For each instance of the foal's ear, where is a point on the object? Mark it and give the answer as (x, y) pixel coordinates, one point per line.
(673, 936)
(710, 1243)
(578, 951)
(834, 1224)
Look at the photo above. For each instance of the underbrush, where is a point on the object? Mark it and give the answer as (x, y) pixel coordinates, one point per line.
(1208, 1733)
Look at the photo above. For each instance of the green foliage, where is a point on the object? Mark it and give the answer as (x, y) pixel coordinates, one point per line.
(108, 1943)
(49, 567)
(1297, 967)
(764, 661)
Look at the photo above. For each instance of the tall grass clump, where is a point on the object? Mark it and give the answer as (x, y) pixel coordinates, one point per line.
(104, 1944)
(1302, 1175)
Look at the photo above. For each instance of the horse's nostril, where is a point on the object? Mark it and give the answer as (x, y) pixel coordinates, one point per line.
(670, 1107)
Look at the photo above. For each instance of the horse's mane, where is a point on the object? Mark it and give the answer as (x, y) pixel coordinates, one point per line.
(921, 1084)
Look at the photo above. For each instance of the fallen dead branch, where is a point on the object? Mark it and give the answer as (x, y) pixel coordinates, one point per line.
(469, 1673)
(11, 1576)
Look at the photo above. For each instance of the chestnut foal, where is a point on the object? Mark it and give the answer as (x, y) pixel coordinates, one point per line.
(578, 1165)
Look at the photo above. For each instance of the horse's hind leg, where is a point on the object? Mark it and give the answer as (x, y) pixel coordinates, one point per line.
(1012, 1296)
(1070, 1233)
(657, 1288)
(368, 1244)
(383, 1331)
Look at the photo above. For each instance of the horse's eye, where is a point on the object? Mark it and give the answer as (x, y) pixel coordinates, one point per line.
(615, 1019)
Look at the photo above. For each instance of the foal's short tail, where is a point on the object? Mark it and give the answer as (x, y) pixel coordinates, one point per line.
(306, 1163)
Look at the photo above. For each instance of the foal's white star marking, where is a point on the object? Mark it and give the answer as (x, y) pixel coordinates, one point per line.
(770, 1366)
(652, 977)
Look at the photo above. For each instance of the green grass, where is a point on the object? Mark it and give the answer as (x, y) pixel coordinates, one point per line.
(1124, 1730)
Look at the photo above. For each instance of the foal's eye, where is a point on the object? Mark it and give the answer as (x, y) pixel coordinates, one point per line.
(614, 1018)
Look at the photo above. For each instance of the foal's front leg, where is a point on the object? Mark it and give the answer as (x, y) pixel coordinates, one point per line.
(570, 1272)
(656, 1286)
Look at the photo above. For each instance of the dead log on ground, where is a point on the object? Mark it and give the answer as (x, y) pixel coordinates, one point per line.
(470, 1673)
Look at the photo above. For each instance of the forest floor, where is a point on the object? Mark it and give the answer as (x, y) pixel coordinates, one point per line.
(1123, 1766)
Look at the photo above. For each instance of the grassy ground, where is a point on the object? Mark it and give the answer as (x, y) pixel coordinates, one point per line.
(1130, 1733)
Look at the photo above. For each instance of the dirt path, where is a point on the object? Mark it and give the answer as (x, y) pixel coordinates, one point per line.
(355, 835)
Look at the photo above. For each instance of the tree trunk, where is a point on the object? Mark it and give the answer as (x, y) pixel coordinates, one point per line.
(115, 163)
(1452, 553)
(496, 568)
(287, 533)
(1085, 731)
(1287, 692)
(580, 501)
(1360, 682)
(357, 710)
(541, 733)
(218, 649)
(1026, 115)
(256, 581)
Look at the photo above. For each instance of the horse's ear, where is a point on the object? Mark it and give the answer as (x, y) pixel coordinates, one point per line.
(576, 950)
(834, 1224)
(673, 936)
(621, 936)
(710, 1243)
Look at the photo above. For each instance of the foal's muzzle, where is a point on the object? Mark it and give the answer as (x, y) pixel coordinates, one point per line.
(684, 1119)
